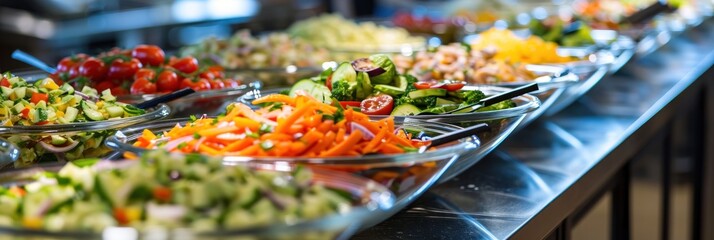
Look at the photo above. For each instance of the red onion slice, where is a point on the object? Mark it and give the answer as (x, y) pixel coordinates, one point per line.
(85, 96)
(366, 134)
(172, 144)
(55, 149)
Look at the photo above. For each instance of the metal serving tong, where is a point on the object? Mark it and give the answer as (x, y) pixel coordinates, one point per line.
(490, 100)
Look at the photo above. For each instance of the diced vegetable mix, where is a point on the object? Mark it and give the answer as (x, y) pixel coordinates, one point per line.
(285, 127)
(373, 86)
(510, 47)
(163, 190)
(44, 102)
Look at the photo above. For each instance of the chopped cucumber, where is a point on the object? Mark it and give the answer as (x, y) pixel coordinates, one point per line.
(437, 92)
(6, 91)
(115, 111)
(316, 90)
(58, 140)
(405, 110)
(19, 107)
(441, 102)
(70, 114)
(389, 90)
(20, 92)
(90, 111)
(67, 88)
(107, 96)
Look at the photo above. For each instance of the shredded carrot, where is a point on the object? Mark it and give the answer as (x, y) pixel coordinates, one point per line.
(302, 127)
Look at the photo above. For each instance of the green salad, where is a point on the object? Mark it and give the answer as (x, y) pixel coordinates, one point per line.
(567, 34)
(373, 86)
(168, 191)
(45, 102)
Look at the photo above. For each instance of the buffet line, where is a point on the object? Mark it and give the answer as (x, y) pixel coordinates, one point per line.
(318, 131)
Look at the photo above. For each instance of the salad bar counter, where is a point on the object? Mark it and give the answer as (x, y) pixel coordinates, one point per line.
(538, 182)
(338, 128)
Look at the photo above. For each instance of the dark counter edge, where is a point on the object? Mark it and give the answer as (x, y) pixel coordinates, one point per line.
(638, 134)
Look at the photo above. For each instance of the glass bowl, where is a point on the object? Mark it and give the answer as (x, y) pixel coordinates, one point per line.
(89, 137)
(342, 54)
(370, 199)
(200, 102)
(574, 92)
(8, 153)
(276, 77)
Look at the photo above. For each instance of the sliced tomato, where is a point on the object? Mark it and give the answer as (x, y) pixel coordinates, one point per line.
(455, 86)
(328, 82)
(381, 104)
(38, 97)
(423, 85)
(346, 104)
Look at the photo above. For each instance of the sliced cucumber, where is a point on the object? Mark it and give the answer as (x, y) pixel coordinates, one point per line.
(442, 102)
(405, 110)
(90, 111)
(389, 90)
(67, 88)
(131, 110)
(115, 111)
(6, 91)
(58, 140)
(318, 91)
(401, 83)
(436, 92)
(107, 96)
(70, 114)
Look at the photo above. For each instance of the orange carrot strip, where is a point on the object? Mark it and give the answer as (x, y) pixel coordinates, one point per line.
(208, 150)
(298, 113)
(276, 137)
(340, 135)
(372, 145)
(217, 131)
(329, 139)
(367, 124)
(275, 98)
(326, 126)
(344, 146)
(249, 113)
(389, 148)
(237, 145)
(242, 122)
(249, 151)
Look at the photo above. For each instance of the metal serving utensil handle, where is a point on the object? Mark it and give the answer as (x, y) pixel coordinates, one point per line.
(509, 94)
(648, 13)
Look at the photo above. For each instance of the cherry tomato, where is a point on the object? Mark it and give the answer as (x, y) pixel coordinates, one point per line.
(143, 86)
(380, 104)
(4, 82)
(73, 71)
(93, 69)
(121, 69)
(55, 77)
(422, 85)
(230, 83)
(147, 73)
(148, 55)
(328, 82)
(167, 81)
(162, 194)
(207, 75)
(454, 86)
(216, 84)
(68, 62)
(38, 97)
(198, 85)
(186, 64)
(121, 216)
(218, 71)
(104, 85)
(118, 91)
(346, 104)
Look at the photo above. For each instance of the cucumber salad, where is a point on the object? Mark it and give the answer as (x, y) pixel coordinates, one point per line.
(45, 102)
(372, 86)
(166, 191)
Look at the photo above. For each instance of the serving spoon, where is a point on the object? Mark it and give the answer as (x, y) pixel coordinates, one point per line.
(490, 100)
(35, 62)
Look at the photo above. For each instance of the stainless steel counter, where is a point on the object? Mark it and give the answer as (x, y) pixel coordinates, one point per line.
(542, 176)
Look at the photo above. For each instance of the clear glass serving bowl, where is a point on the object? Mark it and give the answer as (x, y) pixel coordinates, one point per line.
(369, 199)
(88, 135)
(573, 93)
(407, 175)
(342, 54)
(276, 77)
(8, 153)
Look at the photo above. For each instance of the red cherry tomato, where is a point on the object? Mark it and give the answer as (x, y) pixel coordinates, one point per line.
(216, 84)
(73, 71)
(38, 97)
(328, 82)
(162, 194)
(422, 85)
(346, 104)
(167, 81)
(381, 104)
(186, 64)
(230, 83)
(148, 55)
(93, 69)
(455, 86)
(104, 85)
(207, 75)
(118, 91)
(218, 71)
(68, 62)
(143, 86)
(121, 69)
(121, 216)
(198, 85)
(4, 82)
(147, 73)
